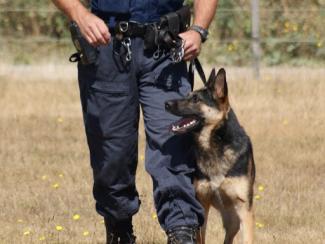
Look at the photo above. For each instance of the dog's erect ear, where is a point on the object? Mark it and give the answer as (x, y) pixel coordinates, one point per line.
(220, 85)
(212, 78)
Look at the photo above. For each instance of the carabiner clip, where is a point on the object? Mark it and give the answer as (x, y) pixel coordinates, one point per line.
(127, 44)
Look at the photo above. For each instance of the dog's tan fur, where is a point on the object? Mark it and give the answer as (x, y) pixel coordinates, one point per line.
(231, 200)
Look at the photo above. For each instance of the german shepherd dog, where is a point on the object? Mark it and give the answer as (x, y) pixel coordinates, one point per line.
(225, 164)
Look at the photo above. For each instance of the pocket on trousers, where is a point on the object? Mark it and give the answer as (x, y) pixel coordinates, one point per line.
(109, 94)
(106, 109)
(110, 75)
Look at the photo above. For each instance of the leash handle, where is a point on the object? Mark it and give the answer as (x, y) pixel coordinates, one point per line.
(195, 64)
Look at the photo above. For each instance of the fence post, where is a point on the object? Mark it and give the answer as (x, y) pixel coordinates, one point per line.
(256, 38)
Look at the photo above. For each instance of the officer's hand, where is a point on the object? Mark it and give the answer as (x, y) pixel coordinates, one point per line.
(192, 44)
(93, 28)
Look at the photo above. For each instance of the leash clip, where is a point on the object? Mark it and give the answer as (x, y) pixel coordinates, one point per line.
(127, 44)
(157, 53)
(177, 53)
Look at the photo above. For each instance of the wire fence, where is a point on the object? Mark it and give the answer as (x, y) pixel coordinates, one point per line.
(262, 18)
(53, 10)
(66, 40)
(292, 34)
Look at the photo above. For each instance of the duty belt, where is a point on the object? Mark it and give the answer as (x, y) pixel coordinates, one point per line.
(157, 38)
(162, 36)
(130, 29)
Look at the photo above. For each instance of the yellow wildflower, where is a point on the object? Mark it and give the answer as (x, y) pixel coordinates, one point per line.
(44, 177)
(260, 188)
(257, 197)
(141, 157)
(259, 225)
(56, 185)
(27, 232)
(76, 217)
(58, 227)
(319, 44)
(230, 47)
(42, 238)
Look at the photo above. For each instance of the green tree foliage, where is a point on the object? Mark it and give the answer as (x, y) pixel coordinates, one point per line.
(42, 20)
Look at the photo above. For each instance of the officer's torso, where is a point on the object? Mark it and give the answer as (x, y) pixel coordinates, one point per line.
(137, 10)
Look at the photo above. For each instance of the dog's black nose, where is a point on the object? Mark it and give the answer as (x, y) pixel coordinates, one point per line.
(168, 105)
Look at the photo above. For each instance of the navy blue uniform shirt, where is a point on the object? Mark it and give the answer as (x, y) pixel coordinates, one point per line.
(143, 11)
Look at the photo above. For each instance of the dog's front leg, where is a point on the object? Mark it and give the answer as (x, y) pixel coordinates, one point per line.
(246, 217)
(202, 230)
(202, 188)
(231, 223)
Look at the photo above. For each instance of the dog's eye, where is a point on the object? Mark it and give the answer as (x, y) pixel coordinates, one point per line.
(195, 98)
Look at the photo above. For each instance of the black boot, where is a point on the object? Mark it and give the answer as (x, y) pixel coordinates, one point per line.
(182, 235)
(127, 238)
(111, 238)
(119, 232)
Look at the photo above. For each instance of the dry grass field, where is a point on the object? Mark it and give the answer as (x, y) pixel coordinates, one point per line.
(45, 178)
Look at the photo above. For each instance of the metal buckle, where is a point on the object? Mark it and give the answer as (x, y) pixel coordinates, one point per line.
(124, 26)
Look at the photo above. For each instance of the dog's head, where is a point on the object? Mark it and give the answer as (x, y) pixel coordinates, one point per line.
(207, 106)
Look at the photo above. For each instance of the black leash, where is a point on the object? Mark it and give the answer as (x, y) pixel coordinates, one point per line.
(195, 64)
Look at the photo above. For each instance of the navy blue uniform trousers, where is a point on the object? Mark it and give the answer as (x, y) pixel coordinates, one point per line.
(111, 95)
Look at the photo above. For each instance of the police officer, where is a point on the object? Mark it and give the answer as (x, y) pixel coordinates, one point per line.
(125, 76)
